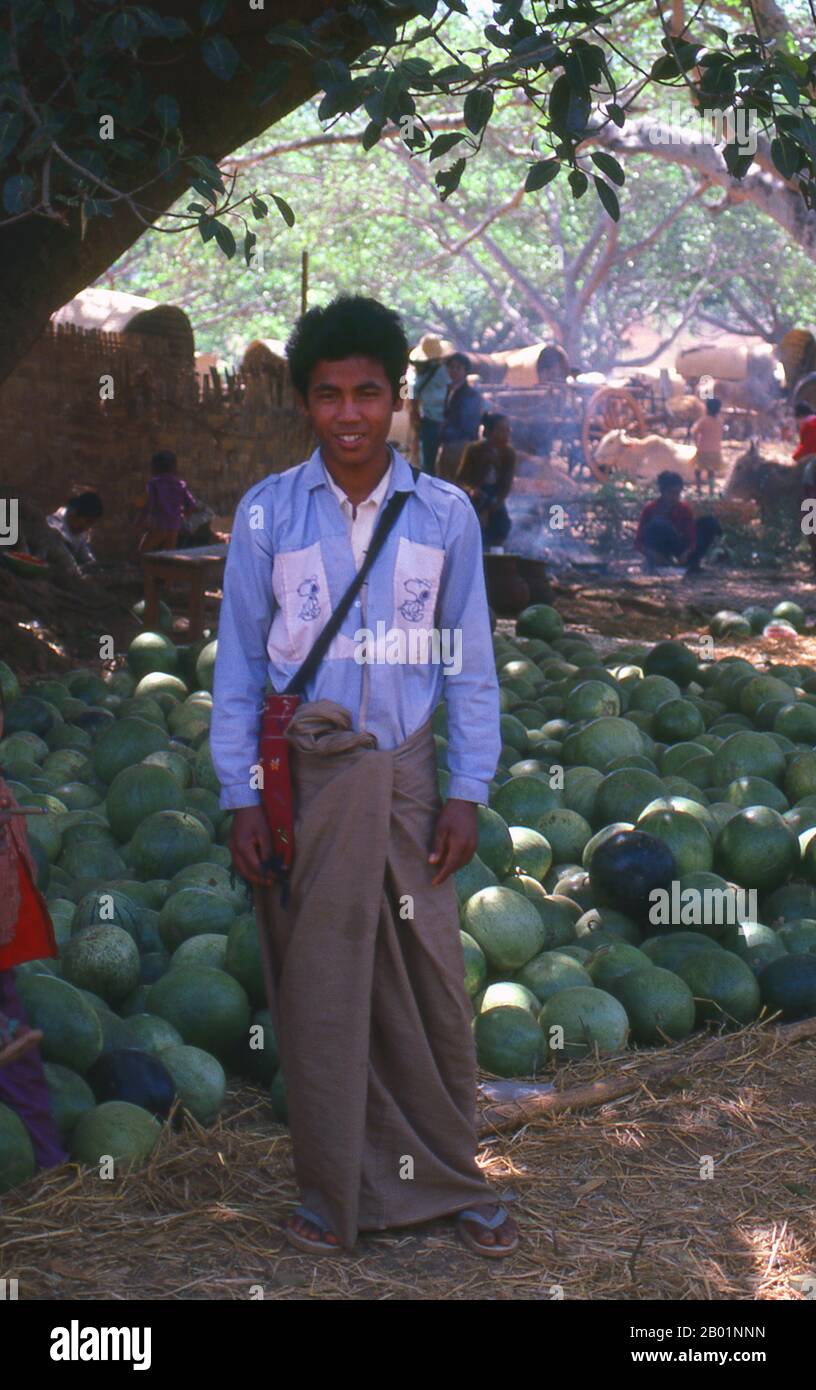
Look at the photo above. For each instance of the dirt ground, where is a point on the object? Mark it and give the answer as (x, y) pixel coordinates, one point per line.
(698, 1188)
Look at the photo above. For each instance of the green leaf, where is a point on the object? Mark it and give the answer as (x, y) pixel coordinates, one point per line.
(608, 197)
(448, 180)
(259, 207)
(541, 174)
(196, 207)
(207, 170)
(206, 226)
(17, 193)
(249, 242)
(270, 80)
(205, 189)
(478, 109)
(737, 163)
(225, 239)
(11, 128)
(167, 110)
(785, 156)
(578, 182)
(609, 166)
(125, 31)
(284, 210)
(211, 11)
(721, 34)
(616, 113)
(221, 56)
(445, 142)
(788, 86)
(371, 135)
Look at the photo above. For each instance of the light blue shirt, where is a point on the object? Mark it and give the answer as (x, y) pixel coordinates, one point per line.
(289, 562)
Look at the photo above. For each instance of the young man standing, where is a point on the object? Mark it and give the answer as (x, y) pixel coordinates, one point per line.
(463, 412)
(362, 954)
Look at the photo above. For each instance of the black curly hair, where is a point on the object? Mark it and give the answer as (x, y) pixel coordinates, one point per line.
(352, 325)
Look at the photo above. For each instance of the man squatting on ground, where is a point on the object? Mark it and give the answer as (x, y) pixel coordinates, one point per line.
(363, 961)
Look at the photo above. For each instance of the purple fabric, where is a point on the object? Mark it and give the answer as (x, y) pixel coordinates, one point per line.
(167, 496)
(23, 1086)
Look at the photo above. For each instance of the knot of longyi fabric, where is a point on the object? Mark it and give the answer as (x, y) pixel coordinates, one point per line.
(324, 727)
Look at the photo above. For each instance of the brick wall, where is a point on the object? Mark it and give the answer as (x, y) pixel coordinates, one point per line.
(58, 436)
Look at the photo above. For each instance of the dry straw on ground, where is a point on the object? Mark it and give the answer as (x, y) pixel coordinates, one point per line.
(611, 1202)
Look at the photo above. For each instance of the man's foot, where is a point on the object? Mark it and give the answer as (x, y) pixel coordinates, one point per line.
(306, 1231)
(497, 1238)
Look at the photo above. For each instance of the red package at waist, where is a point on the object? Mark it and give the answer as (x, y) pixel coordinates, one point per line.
(276, 789)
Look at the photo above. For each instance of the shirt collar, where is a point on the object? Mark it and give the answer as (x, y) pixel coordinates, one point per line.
(399, 476)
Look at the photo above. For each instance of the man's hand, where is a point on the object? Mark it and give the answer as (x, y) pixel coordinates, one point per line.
(455, 838)
(251, 845)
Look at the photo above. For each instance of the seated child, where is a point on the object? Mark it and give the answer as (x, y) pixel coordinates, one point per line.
(667, 532)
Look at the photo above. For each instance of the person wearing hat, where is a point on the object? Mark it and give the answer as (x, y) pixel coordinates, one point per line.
(428, 391)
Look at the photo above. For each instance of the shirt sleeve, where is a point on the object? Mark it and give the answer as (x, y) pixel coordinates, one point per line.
(471, 693)
(247, 609)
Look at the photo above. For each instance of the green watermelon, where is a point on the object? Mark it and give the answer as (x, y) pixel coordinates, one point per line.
(69, 1096)
(72, 1031)
(102, 958)
(17, 1161)
(208, 1007)
(205, 666)
(191, 912)
(125, 743)
(508, 1041)
(165, 842)
(243, 958)
(118, 1130)
(151, 651)
(199, 1079)
(136, 793)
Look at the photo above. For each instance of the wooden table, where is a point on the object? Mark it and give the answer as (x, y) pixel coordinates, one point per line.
(198, 566)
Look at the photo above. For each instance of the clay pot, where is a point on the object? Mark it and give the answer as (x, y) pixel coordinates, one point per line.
(534, 573)
(507, 591)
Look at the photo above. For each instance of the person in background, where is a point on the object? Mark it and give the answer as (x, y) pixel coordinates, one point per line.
(805, 415)
(707, 435)
(168, 498)
(806, 419)
(486, 474)
(26, 933)
(463, 411)
(428, 392)
(74, 522)
(667, 532)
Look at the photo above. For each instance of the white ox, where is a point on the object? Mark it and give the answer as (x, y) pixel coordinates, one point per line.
(643, 459)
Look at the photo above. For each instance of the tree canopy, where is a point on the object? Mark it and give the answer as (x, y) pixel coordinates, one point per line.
(109, 112)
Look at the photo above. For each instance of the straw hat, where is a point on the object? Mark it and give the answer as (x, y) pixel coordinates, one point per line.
(430, 348)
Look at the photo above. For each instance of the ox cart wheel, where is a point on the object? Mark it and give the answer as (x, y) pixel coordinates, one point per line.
(611, 408)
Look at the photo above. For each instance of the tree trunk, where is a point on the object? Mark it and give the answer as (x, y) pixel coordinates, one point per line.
(761, 187)
(45, 264)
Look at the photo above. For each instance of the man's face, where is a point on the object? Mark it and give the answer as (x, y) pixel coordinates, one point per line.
(457, 373)
(350, 404)
(671, 495)
(78, 523)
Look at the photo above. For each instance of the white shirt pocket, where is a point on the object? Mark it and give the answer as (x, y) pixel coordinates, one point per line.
(417, 571)
(302, 594)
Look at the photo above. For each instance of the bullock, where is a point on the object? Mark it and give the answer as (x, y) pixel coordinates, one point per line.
(642, 459)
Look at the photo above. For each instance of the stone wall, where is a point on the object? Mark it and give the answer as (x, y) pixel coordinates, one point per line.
(59, 435)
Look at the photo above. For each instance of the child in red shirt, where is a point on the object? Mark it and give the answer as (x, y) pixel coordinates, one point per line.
(667, 532)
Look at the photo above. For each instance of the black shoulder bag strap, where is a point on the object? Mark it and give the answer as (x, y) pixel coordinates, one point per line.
(316, 654)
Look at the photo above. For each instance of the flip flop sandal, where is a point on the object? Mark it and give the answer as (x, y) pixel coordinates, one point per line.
(16, 1039)
(312, 1247)
(490, 1223)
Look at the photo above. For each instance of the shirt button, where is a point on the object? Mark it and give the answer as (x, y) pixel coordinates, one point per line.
(357, 603)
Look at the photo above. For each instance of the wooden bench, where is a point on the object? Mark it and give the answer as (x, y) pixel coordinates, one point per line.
(199, 567)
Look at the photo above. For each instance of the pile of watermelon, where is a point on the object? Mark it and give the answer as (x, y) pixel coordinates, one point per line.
(653, 773)
(157, 993)
(631, 797)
